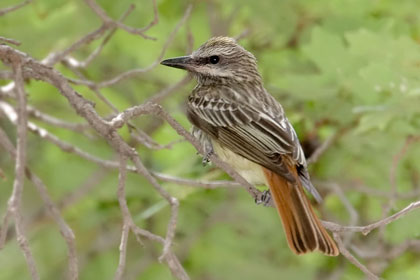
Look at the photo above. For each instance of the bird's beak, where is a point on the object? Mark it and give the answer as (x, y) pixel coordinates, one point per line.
(182, 62)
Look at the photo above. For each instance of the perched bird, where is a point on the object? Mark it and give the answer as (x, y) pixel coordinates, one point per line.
(237, 119)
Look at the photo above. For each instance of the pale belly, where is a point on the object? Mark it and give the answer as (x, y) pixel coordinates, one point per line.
(251, 171)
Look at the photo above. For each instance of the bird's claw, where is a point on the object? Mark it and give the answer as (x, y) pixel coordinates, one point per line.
(206, 158)
(264, 199)
(205, 142)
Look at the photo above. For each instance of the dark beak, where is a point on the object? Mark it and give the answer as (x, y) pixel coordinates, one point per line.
(182, 62)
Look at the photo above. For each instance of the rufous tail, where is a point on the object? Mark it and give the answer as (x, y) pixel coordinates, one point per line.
(303, 229)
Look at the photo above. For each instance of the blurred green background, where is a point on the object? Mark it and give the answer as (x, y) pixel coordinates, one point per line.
(349, 68)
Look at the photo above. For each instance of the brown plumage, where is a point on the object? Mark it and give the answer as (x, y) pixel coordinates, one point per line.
(245, 126)
(303, 229)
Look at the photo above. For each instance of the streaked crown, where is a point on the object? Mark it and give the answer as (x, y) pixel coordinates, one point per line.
(224, 57)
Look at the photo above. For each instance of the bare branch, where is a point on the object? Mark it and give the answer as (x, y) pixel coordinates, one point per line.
(330, 141)
(173, 202)
(242, 35)
(109, 21)
(104, 99)
(9, 41)
(14, 203)
(53, 58)
(397, 158)
(411, 245)
(14, 8)
(352, 259)
(354, 216)
(365, 230)
(4, 227)
(196, 183)
(94, 35)
(123, 251)
(392, 173)
(126, 217)
(144, 139)
(190, 40)
(159, 96)
(51, 120)
(81, 191)
(85, 109)
(374, 192)
(137, 71)
(65, 230)
(321, 149)
(11, 114)
(69, 148)
(98, 50)
(155, 19)
(51, 208)
(175, 266)
(133, 72)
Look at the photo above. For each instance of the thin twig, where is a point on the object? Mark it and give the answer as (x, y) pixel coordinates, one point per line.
(126, 216)
(375, 192)
(123, 252)
(9, 41)
(51, 208)
(56, 57)
(109, 21)
(393, 170)
(65, 229)
(354, 216)
(365, 230)
(8, 146)
(329, 142)
(51, 120)
(103, 128)
(169, 40)
(352, 259)
(14, 8)
(134, 72)
(141, 137)
(321, 149)
(14, 203)
(196, 183)
(159, 96)
(69, 148)
(97, 51)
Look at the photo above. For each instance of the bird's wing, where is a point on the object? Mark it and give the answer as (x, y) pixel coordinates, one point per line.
(249, 131)
(253, 132)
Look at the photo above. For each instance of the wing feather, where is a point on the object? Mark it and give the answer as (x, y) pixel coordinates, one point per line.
(250, 131)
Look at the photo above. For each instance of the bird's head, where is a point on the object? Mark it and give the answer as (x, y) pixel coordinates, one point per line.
(219, 59)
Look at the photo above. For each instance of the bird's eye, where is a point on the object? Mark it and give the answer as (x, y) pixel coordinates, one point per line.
(214, 59)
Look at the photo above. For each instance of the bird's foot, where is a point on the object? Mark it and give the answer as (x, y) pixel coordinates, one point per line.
(264, 199)
(206, 158)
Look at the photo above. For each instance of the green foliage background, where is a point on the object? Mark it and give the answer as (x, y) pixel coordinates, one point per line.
(332, 64)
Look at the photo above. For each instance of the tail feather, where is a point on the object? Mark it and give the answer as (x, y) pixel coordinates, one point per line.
(303, 229)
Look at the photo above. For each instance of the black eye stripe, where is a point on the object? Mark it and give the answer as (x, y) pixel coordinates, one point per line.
(214, 59)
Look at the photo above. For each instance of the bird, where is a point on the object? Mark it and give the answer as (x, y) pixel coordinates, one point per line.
(235, 117)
